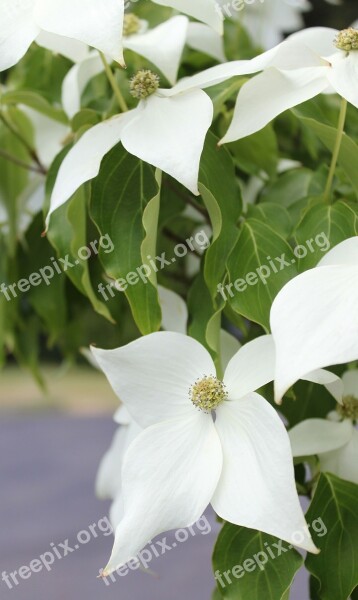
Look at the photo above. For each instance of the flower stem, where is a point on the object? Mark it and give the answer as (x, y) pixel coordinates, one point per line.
(112, 80)
(337, 147)
(20, 163)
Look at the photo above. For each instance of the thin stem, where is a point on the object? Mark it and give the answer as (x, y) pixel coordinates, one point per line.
(112, 80)
(32, 152)
(20, 163)
(336, 150)
(188, 199)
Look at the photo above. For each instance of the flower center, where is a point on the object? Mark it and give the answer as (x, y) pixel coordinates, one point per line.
(131, 24)
(347, 39)
(144, 84)
(349, 408)
(207, 393)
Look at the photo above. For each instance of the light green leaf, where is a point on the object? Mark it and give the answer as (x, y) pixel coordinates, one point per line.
(35, 101)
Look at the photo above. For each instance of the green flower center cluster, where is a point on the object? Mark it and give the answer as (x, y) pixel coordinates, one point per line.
(207, 393)
(349, 408)
(131, 24)
(347, 39)
(144, 84)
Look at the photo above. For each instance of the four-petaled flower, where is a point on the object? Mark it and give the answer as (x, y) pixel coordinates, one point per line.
(183, 458)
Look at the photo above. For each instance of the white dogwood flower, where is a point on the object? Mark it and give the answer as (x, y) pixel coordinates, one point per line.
(109, 476)
(163, 46)
(335, 440)
(202, 10)
(183, 459)
(326, 63)
(314, 318)
(67, 26)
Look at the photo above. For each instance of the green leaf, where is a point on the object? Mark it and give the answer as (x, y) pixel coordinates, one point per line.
(274, 215)
(336, 567)
(68, 234)
(35, 101)
(222, 198)
(259, 266)
(348, 156)
(125, 205)
(249, 566)
(312, 401)
(257, 152)
(322, 227)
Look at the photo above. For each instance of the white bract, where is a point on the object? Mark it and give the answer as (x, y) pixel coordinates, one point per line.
(163, 46)
(267, 20)
(334, 441)
(109, 478)
(182, 459)
(314, 318)
(202, 10)
(306, 64)
(66, 26)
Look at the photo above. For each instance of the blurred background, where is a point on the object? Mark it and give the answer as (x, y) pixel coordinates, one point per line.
(56, 423)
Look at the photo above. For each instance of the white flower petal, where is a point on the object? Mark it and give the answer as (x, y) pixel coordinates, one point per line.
(83, 161)
(170, 472)
(319, 39)
(345, 253)
(174, 310)
(98, 24)
(269, 94)
(343, 462)
(350, 383)
(17, 31)
(163, 45)
(121, 416)
(153, 374)
(203, 10)
(315, 436)
(331, 382)
(169, 133)
(252, 367)
(257, 486)
(76, 81)
(314, 322)
(343, 75)
(109, 476)
(229, 346)
(203, 38)
(72, 49)
(116, 511)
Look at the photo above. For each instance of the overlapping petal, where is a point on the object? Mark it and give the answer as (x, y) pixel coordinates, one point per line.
(203, 10)
(350, 383)
(257, 485)
(18, 30)
(169, 133)
(163, 45)
(174, 310)
(153, 374)
(170, 472)
(345, 253)
(83, 161)
(315, 436)
(314, 321)
(98, 24)
(343, 75)
(269, 94)
(343, 462)
(252, 367)
(76, 81)
(331, 382)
